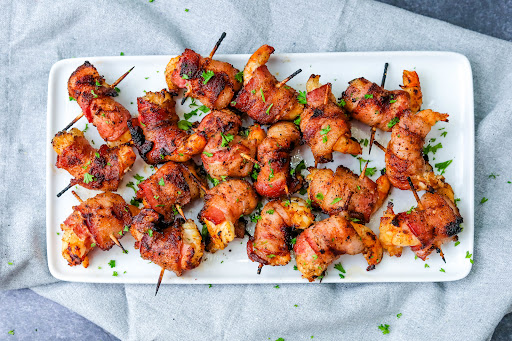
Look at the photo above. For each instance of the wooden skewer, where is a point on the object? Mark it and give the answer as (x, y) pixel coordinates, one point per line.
(222, 36)
(197, 181)
(185, 96)
(441, 254)
(372, 133)
(362, 175)
(253, 160)
(114, 239)
(180, 211)
(259, 269)
(380, 146)
(286, 190)
(64, 190)
(111, 86)
(283, 82)
(420, 206)
(327, 91)
(159, 280)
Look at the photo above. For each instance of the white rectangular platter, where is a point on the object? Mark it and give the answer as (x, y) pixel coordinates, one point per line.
(447, 85)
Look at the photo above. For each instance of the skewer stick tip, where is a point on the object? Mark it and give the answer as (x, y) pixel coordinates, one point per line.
(121, 78)
(114, 239)
(372, 139)
(381, 147)
(77, 197)
(64, 190)
(73, 122)
(253, 160)
(259, 269)
(180, 211)
(284, 81)
(159, 280)
(363, 173)
(222, 36)
(420, 206)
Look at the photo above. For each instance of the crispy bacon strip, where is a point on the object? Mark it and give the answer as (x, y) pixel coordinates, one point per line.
(269, 245)
(324, 124)
(324, 242)
(156, 134)
(274, 179)
(223, 207)
(262, 98)
(172, 184)
(99, 169)
(404, 155)
(94, 96)
(330, 190)
(424, 230)
(92, 224)
(211, 81)
(377, 107)
(174, 246)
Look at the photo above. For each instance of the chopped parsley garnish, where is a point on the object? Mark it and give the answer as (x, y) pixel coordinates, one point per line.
(298, 169)
(207, 75)
(161, 182)
(442, 166)
(139, 178)
(442, 270)
(394, 121)
(297, 121)
(384, 328)
(11, 332)
(410, 210)
(484, 199)
(268, 109)
(277, 286)
(324, 131)
(93, 94)
(270, 212)
(88, 178)
(370, 171)
(226, 139)
(93, 244)
(271, 175)
(262, 95)
(126, 228)
(336, 200)
(427, 266)
(253, 91)
(271, 255)
(339, 267)
(302, 97)
(233, 103)
(150, 232)
(398, 315)
(98, 83)
(492, 175)
(368, 96)
(208, 154)
(112, 263)
(444, 133)
(71, 98)
(432, 149)
(121, 54)
(115, 274)
(184, 125)
(292, 242)
(240, 76)
(86, 127)
(456, 243)
(319, 196)
(342, 102)
(185, 76)
(117, 89)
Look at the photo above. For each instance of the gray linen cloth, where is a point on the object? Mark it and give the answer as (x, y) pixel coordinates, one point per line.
(36, 34)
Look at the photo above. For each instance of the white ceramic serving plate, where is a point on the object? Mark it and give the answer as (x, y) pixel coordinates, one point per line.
(447, 86)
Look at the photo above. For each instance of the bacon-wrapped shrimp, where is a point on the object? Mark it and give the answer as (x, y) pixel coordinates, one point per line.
(94, 96)
(222, 156)
(212, 82)
(263, 98)
(156, 134)
(274, 179)
(269, 245)
(171, 187)
(98, 221)
(324, 242)
(330, 190)
(377, 107)
(404, 155)
(223, 207)
(99, 169)
(176, 246)
(324, 124)
(425, 228)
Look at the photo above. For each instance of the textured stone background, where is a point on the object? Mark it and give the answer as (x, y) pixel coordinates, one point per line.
(30, 314)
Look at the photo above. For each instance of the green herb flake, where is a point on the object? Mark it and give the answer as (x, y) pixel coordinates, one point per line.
(262, 95)
(269, 107)
(88, 178)
(398, 315)
(336, 200)
(161, 182)
(240, 76)
(368, 96)
(342, 103)
(112, 263)
(115, 274)
(394, 121)
(207, 76)
(208, 154)
(441, 166)
(184, 125)
(484, 199)
(384, 328)
(302, 97)
(319, 196)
